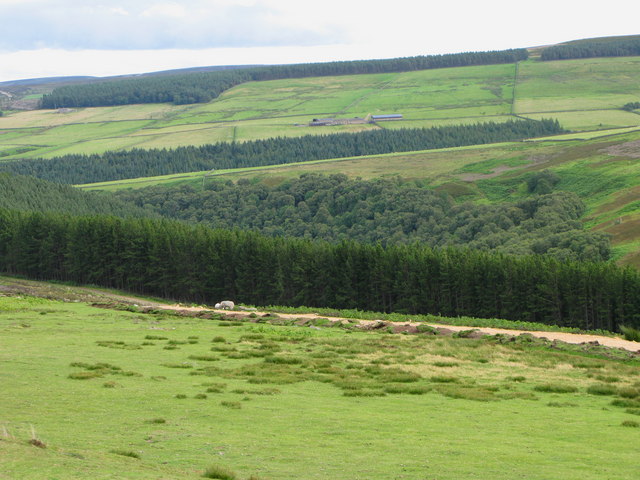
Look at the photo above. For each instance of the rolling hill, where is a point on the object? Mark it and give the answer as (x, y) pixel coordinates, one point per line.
(185, 392)
(585, 95)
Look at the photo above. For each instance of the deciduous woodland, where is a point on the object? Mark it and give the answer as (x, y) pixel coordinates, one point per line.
(116, 165)
(203, 87)
(194, 263)
(335, 208)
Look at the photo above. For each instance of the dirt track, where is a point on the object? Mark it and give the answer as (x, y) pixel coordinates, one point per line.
(18, 286)
(574, 338)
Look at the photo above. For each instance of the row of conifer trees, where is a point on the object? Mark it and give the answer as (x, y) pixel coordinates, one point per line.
(200, 87)
(198, 264)
(116, 165)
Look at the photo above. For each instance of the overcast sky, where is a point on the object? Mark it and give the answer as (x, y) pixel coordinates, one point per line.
(42, 38)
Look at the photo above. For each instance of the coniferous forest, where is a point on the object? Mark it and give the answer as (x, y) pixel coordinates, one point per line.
(117, 165)
(203, 87)
(620, 47)
(195, 263)
(20, 192)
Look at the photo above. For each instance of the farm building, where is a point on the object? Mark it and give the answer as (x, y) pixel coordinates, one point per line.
(384, 118)
(323, 122)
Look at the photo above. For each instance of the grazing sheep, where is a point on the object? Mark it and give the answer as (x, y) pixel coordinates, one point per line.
(225, 305)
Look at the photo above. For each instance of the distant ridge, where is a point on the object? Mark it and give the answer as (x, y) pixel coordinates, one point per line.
(86, 79)
(46, 80)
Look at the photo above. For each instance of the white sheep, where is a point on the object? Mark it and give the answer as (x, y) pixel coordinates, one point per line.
(225, 305)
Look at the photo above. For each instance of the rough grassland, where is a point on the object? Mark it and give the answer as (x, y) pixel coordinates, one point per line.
(582, 94)
(130, 395)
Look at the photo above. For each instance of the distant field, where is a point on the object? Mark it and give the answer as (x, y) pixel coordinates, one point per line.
(582, 94)
(117, 394)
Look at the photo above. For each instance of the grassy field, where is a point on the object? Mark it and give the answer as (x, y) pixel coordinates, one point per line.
(582, 94)
(129, 395)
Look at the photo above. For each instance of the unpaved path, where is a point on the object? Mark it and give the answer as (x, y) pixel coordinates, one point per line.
(575, 338)
(18, 286)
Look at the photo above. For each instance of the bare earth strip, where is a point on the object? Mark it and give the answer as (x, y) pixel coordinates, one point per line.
(19, 286)
(575, 338)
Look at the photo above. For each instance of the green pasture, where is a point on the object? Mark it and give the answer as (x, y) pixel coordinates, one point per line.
(96, 393)
(582, 94)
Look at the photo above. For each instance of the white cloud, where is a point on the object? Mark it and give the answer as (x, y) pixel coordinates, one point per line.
(160, 34)
(119, 11)
(171, 10)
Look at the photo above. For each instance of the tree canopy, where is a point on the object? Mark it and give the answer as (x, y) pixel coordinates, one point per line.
(388, 212)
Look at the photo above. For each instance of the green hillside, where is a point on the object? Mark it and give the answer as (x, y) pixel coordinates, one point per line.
(582, 94)
(100, 393)
(602, 171)
(585, 95)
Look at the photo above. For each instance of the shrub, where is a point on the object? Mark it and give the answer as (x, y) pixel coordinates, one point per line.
(427, 329)
(228, 404)
(630, 333)
(200, 396)
(215, 471)
(218, 339)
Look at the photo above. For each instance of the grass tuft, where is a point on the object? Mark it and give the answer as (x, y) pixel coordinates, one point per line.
(221, 473)
(157, 420)
(126, 453)
(555, 388)
(601, 389)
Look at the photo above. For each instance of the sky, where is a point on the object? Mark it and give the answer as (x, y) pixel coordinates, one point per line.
(45, 38)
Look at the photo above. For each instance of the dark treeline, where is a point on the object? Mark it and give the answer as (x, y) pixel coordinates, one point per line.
(598, 48)
(203, 87)
(18, 192)
(631, 106)
(334, 208)
(79, 169)
(194, 263)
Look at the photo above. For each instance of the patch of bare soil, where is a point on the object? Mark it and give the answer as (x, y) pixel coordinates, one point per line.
(472, 177)
(627, 149)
